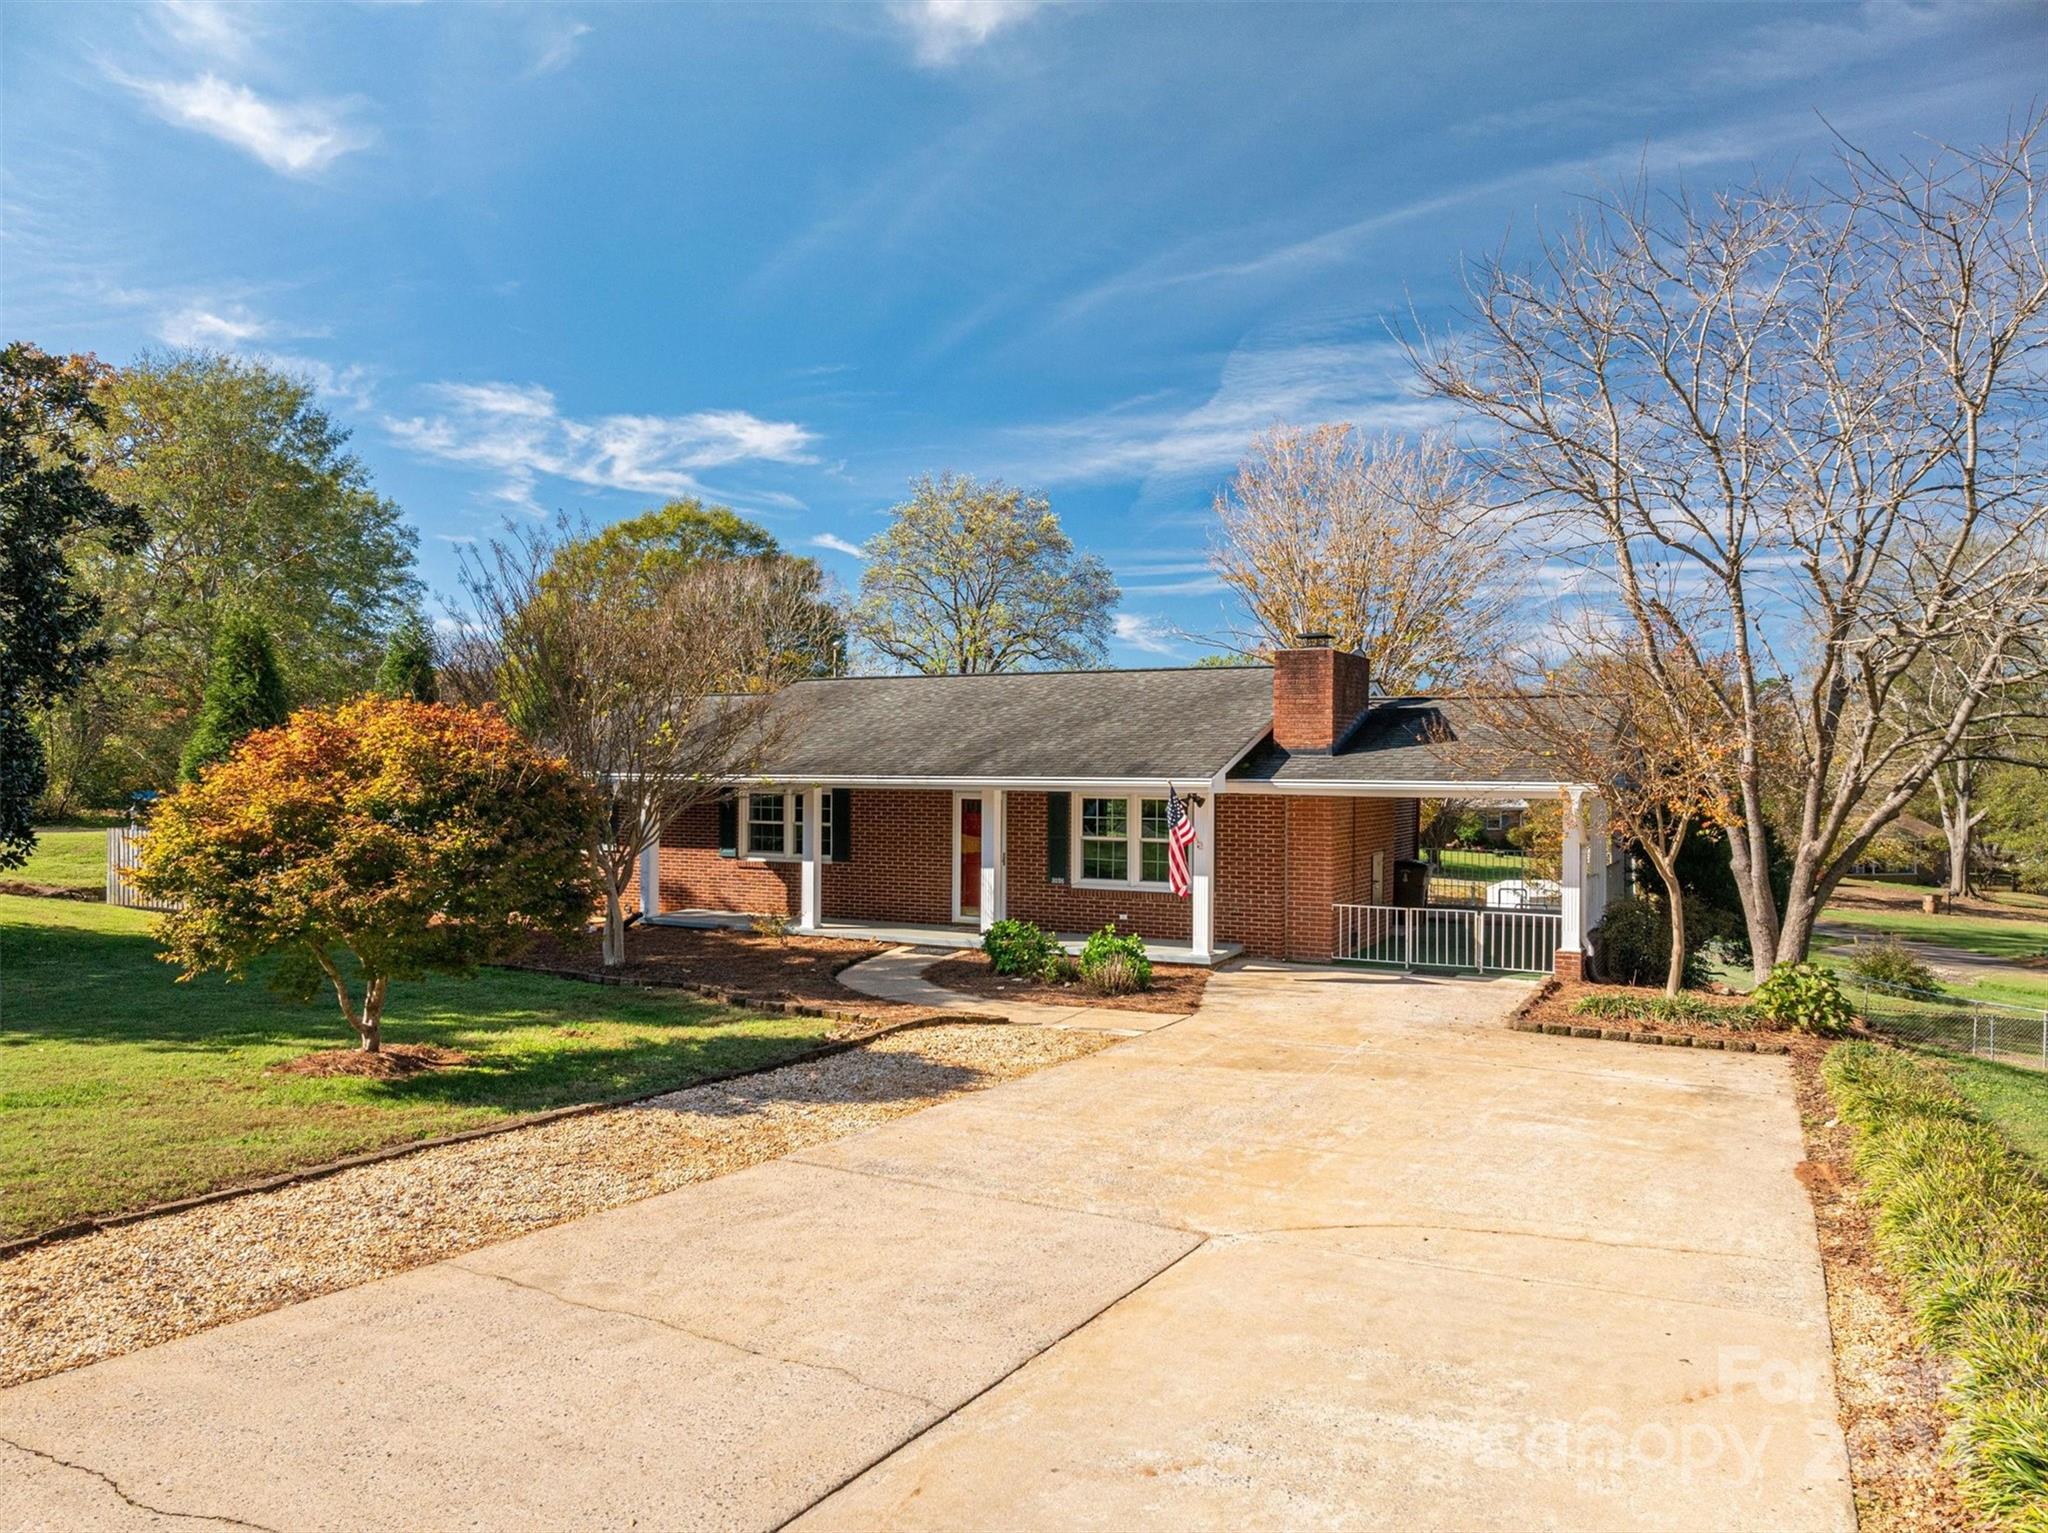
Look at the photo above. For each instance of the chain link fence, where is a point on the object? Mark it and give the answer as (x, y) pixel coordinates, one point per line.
(2013, 1035)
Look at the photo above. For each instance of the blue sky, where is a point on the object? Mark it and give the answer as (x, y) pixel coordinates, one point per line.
(788, 256)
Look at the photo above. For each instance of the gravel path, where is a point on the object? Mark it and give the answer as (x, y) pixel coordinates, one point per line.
(81, 1300)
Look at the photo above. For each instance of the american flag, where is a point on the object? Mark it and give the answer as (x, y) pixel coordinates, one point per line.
(1180, 835)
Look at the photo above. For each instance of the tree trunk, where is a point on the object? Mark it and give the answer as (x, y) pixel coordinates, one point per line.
(370, 1032)
(1674, 975)
(1952, 792)
(614, 921)
(1750, 857)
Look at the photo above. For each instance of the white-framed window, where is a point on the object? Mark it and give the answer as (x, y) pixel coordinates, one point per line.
(775, 825)
(1120, 841)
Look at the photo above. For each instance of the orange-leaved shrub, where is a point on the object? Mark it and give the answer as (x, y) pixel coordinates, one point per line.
(381, 840)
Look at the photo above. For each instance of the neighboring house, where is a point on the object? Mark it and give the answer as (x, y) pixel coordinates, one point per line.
(895, 803)
(1499, 819)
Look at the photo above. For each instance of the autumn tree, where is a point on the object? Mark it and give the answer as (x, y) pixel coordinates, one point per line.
(974, 577)
(407, 669)
(244, 693)
(1661, 764)
(1821, 407)
(49, 621)
(382, 840)
(257, 505)
(651, 681)
(1387, 546)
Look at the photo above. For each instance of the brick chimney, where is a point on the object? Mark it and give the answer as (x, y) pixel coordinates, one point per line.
(1318, 693)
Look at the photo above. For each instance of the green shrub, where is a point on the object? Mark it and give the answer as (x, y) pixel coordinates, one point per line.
(1633, 942)
(1962, 1221)
(1890, 962)
(1018, 947)
(1111, 957)
(1804, 997)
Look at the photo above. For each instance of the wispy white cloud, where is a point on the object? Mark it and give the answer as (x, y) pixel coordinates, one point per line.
(294, 138)
(557, 47)
(1142, 632)
(1300, 379)
(208, 28)
(223, 325)
(945, 30)
(839, 545)
(517, 432)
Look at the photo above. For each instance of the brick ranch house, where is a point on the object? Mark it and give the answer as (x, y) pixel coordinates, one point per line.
(924, 808)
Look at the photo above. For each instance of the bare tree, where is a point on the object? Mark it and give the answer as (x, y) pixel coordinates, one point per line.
(1388, 547)
(652, 682)
(972, 578)
(1819, 412)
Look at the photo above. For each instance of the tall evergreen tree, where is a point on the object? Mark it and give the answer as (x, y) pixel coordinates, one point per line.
(408, 667)
(244, 692)
(49, 626)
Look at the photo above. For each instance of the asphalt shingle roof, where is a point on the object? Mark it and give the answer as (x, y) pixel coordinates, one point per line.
(1092, 725)
(1403, 740)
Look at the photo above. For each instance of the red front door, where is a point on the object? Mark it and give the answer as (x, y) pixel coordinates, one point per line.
(970, 858)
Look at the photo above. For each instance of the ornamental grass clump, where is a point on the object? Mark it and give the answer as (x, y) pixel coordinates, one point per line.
(1962, 1222)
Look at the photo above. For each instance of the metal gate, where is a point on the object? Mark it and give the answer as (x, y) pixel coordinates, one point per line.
(1457, 940)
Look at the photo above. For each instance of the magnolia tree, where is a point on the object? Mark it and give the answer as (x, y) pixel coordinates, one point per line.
(1816, 415)
(1386, 546)
(650, 677)
(382, 840)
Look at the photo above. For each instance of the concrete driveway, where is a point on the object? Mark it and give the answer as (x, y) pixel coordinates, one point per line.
(1335, 1252)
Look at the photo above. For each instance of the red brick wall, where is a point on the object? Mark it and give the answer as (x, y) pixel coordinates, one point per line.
(901, 868)
(1316, 695)
(1062, 908)
(1251, 868)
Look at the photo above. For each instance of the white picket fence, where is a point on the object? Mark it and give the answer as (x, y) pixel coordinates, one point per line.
(124, 855)
(1449, 937)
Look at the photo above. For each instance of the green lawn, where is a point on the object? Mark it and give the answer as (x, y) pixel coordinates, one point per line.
(1989, 936)
(120, 1088)
(2015, 1100)
(67, 856)
(1480, 864)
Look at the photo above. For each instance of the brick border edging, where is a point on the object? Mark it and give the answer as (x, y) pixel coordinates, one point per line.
(82, 1227)
(1522, 1024)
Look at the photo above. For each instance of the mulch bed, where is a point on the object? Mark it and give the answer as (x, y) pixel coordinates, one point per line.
(392, 1061)
(1553, 1011)
(737, 963)
(1176, 988)
(1887, 1386)
(34, 891)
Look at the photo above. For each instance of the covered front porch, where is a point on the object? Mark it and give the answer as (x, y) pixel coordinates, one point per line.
(950, 937)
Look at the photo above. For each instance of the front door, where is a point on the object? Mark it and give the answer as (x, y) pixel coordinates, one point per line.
(967, 859)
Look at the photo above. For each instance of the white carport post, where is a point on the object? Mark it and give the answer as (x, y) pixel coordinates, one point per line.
(1572, 871)
(650, 879)
(1202, 875)
(812, 904)
(1599, 853)
(994, 808)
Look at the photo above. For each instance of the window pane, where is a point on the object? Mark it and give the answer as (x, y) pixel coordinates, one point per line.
(764, 823)
(1105, 817)
(796, 823)
(1152, 862)
(1105, 859)
(825, 843)
(1152, 818)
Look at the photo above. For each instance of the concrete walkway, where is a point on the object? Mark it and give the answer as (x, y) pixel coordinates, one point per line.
(1337, 1252)
(898, 975)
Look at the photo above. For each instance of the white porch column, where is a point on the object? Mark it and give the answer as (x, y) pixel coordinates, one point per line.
(813, 902)
(1572, 875)
(650, 880)
(1202, 874)
(1599, 852)
(994, 835)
